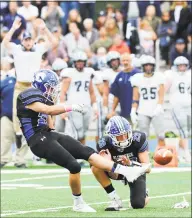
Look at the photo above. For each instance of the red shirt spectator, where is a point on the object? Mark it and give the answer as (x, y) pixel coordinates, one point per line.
(119, 45)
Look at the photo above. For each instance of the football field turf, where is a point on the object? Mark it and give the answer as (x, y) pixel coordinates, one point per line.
(45, 193)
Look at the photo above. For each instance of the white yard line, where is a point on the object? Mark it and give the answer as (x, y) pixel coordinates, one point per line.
(39, 177)
(97, 203)
(86, 170)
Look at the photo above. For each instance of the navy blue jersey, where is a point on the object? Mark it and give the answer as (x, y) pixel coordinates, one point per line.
(122, 89)
(31, 122)
(139, 144)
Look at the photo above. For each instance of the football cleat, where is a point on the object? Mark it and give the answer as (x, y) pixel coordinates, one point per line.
(83, 207)
(115, 205)
(135, 172)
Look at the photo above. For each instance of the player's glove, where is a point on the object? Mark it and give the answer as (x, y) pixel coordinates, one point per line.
(75, 107)
(134, 117)
(158, 110)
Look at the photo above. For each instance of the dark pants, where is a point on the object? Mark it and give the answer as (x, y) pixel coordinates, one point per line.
(165, 53)
(137, 191)
(59, 148)
(87, 10)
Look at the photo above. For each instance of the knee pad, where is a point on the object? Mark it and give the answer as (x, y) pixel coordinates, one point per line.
(138, 203)
(74, 167)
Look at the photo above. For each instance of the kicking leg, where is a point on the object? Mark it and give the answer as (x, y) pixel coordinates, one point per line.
(103, 179)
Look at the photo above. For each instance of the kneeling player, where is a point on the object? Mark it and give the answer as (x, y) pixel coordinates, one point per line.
(34, 107)
(129, 148)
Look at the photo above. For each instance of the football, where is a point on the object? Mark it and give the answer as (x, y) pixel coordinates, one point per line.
(163, 156)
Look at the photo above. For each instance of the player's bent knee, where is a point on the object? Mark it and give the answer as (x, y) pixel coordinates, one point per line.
(74, 167)
(138, 203)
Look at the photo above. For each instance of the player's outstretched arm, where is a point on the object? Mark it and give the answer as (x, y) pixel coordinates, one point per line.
(55, 109)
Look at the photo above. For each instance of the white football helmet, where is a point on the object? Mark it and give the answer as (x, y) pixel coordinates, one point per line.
(179, 62)
(113, 55)
(59, 64)
(145, 60)
(79, 56)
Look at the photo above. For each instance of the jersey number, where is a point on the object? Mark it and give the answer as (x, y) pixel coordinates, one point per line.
(149, 94)
(42, 119)
(79, 84)
(182, 88)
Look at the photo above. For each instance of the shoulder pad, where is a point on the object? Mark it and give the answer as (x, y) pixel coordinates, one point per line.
(102, 143)
(31, 95)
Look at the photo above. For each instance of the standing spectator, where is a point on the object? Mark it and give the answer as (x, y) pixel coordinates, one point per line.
(144, 4)
(4, 52)
(57, 32)
(27, 60)
(119, 45)
(90, 32)
(75, 41)
(102, 41)
(66, 7)
(52, 13)
(100, 22)
(122, 89)
(147, 37)
(130, 10)
(99, 60)
(178, 50)
(87, 9)
(7, 130)
(39, 4)
(10, 17)
(166, 32)
(135, 9)
(74, 17)
(29, 12)
(111, 27)
(150, 16)
(110, 11)
(121, 23)
(181, 14)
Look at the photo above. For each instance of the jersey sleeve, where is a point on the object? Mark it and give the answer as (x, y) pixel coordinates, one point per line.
(97, 78)
(65, 73)
(31, 96)
(134, 80)
(141, 141)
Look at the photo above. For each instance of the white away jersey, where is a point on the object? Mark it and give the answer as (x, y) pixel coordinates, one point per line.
(179, 88)
(109, 74)
(148, 90)
(78, 92)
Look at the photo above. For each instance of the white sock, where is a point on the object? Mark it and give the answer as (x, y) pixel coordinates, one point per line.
(113, 195)
(77, 199)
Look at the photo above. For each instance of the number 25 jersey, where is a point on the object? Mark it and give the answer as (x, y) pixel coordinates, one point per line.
(148, 91)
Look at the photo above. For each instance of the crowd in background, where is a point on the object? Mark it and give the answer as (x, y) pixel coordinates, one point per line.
(133, 28)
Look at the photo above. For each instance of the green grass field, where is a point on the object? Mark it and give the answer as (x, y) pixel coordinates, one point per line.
(45, 193)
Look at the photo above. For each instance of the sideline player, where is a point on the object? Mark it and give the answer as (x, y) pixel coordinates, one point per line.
(77, 83)
(109, 75)
(179, 88)
(35, 106)
(148, 99)
(121, 144)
